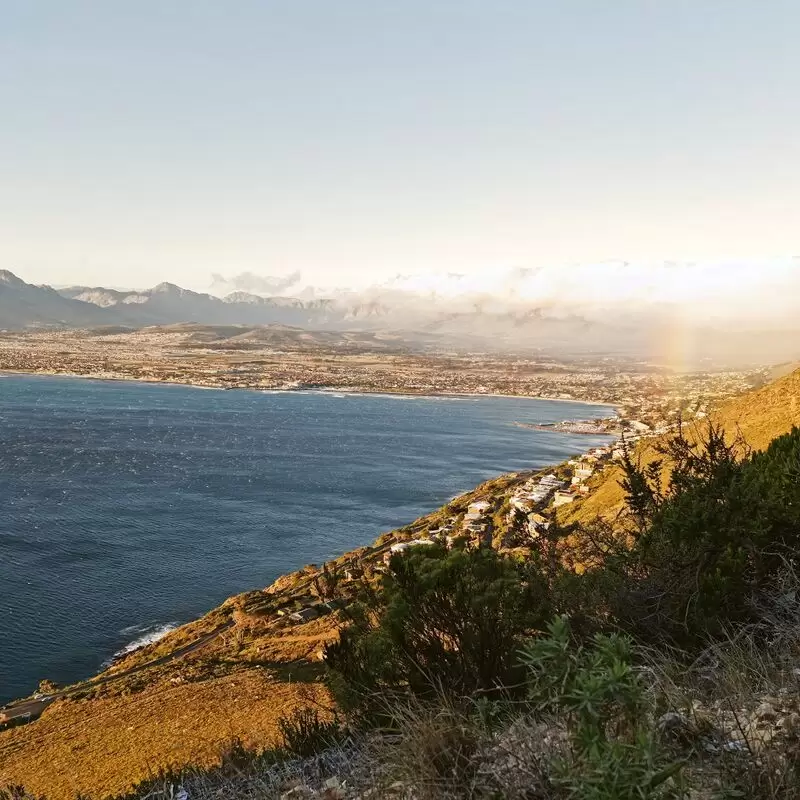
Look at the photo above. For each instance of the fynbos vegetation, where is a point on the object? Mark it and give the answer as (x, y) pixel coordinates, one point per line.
(665, 667)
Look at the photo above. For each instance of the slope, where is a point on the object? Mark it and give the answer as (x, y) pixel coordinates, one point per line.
(759, 416)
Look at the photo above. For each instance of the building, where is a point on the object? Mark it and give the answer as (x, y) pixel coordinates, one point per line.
(561, 498)
(523, 504)
(400, 547)
(304, 614)
(552, 481)
(583, 471)
(537, 525)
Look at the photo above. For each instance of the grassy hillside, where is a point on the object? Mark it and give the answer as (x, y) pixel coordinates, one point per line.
(760, 416)
(259, 663)
(263, 665)
(765, 414)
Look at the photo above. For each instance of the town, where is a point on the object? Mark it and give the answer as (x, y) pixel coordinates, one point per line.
(282, 358)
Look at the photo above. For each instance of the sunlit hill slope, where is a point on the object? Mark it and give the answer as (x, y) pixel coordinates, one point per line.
(174, 704)
(758, 416)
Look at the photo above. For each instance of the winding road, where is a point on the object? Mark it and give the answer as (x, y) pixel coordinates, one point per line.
(30, 709)
(26, 710)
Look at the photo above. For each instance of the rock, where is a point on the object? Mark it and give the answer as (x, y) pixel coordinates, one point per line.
(298, 793)
(673, 723)
(672, 719)
(766, 712)
(333, 789)
(735, 746)
(789, 724)
(771, 699)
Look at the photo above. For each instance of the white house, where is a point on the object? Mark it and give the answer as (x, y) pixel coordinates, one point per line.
(400, 547)
(562, 498)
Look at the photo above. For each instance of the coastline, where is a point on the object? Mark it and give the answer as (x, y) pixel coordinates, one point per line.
(320, 390)
(365, 391)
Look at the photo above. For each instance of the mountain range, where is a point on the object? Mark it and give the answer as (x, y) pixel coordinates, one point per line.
(457, 315)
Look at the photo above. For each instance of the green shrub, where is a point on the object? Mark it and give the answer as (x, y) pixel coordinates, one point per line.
(444, 624)
(596, 692)
(712, 540)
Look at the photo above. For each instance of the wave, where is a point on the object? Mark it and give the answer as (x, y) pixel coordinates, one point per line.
(438, 398)
(143, 635)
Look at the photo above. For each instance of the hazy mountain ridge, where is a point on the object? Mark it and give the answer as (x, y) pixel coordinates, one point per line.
(24, 305)
(167, 303)
(460, 312)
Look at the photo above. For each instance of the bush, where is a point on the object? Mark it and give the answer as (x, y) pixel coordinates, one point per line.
(712, 540)
(436, 753)
(445, 624)
(305, 734)
(596, 692)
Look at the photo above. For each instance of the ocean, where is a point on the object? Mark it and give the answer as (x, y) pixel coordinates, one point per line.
(129, 508)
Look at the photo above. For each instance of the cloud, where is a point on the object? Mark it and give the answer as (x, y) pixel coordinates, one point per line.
(255, 284)
(739, 292)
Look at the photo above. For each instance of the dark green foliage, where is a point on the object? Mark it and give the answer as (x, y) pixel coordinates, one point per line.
(236, 756)
(710, 542)
(16, 792)
(326, 582)
(450, 624)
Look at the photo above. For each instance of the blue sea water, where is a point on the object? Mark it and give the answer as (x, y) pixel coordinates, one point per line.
(129, 507)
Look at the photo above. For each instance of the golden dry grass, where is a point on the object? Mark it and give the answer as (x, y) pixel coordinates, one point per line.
(105, 746)
(759, 416)
(179, 714)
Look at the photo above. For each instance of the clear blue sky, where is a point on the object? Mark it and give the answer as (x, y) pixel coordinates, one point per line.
(150, 140)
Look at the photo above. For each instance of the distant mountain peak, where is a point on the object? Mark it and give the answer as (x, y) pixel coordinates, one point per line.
(166, 287)
(243, 297)
(10, 279)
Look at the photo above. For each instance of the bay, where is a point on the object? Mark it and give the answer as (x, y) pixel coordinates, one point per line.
(127, 508)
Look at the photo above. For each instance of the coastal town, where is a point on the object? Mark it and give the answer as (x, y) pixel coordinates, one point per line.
(268, 644)
(646, 399)
(280, 358)
(635, 401)
(522, 512)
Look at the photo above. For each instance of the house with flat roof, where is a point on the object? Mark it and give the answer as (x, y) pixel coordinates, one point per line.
(561, 498)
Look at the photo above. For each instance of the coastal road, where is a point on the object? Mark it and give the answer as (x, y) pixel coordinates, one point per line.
(27, 710)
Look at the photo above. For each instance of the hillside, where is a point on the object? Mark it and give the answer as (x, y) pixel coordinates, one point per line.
(759, 416)
(258, 663)
(232, 675)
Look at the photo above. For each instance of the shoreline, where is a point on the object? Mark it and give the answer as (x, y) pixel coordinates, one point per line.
(320, 390)
(311, 390)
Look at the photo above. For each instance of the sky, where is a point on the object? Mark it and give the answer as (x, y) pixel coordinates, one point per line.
(355, 140)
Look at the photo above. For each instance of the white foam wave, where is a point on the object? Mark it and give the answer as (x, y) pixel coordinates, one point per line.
(143, 635)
